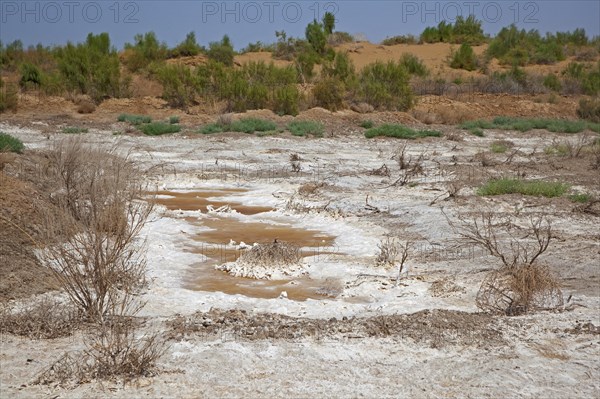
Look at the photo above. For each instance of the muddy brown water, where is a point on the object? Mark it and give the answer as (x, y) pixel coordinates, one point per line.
(199, 200)
(213, 249)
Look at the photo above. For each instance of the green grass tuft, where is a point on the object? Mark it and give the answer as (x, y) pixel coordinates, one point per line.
(367, 124)
(251, 125)
(174, 120)
(581, 198)
(134, 119)
(400, 132)
(211, 128)
(306, 128)
(74, 130)
(9, 143)
(527, 124)
(158, 128)
(475, 131)
(515, 186)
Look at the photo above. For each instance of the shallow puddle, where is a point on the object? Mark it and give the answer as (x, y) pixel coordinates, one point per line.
(214, 247)
(199, 200)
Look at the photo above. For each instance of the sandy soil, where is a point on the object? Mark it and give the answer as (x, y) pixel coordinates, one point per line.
(421, 338)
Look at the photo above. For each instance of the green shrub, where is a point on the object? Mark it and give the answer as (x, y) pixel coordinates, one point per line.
(552, 82)
(173, 120)
(385, 86)
(92, 68)
(189, 47)
(306, 128)
(30, 75)
(329, 94)
(413, 65)
(524, 124)
(145, 50)
(467, 31)
(134, 119)
(251, 125)
(158, 128)
(9, 143)
(464, 58)
(211, 128)
(512, 46)
(475, 131)
(525, 187)
(400, 132)
(367, 124)
(221, 51)
(479, 123)
(402, 39)
(74, 130)
(589, 109)
(8, 97)
(179, 84)
(581, 198)
(286, 100)
(499, 147)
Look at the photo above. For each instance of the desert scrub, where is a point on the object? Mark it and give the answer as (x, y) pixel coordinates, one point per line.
(244, 125)
(501, 146)
(174, 120)
(527, 124)
(134, 119)
(9, 143)
(515, 186)
(367, 124)
(158, 128)
(251, 125)
(400, 132)
(74, 130)
(581, 198)
(306, 128)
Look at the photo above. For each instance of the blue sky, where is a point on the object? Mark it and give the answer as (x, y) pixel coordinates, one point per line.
(56, 22)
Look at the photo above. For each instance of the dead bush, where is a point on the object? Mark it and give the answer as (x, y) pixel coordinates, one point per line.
(519, 289)
(362, 108)
(521, 284)
(386, 257)
(86, 107)
(45, 319)
(99, 264)
(295, 163)
(310, 189)
(271, 255)
(391, 254)
(113, 352)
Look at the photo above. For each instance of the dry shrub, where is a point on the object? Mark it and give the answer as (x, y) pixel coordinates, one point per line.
(271, 255)
(45, 318)
(113, 352)
(521, 284)
(99, 263)
(383, 170)
(362, 108)
(116, 351)
(388, 252)
(391, 254)
(520, 289)
(86, 107)
(310, 189)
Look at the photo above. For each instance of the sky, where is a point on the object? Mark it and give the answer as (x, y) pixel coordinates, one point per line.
(56, 22)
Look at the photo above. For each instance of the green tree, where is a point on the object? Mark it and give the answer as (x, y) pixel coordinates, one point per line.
(328, 23)
(221, 51)
(315, 35)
